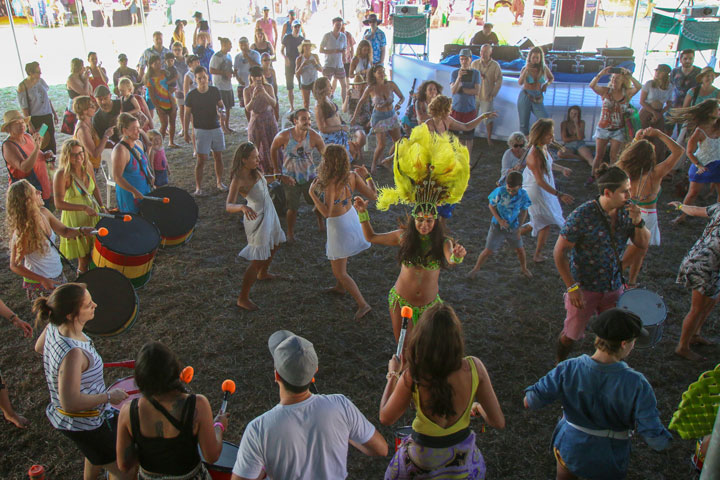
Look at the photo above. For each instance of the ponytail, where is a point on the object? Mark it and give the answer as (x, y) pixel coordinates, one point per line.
(65, 301)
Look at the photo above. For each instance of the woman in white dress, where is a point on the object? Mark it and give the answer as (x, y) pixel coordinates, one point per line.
(345, 237)
(262, 226)
(539, 183)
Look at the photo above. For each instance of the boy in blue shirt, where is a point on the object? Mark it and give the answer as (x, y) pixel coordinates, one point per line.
(508, 205)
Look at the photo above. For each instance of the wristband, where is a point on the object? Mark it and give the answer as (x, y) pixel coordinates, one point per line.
(392, 374)
(573, 287)
(368, 179)
(218, 424)
(456, 259)
(679, 207)
(364, 216)
(13, 316)
(108, 395)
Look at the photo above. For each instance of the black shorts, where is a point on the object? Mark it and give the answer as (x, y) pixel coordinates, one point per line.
(49, 139)
(98, 445)
(308, 87)
(347, 70)
(228, 98)
(290, 76)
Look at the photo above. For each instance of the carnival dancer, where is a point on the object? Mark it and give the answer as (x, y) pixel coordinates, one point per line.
(700, 271)
(429, 170)
(31, 230)
(297, 144)
(703, 148)
(603, 401)
(262, 226)
(446, 387)
(80, 403)
(539, 182)
(78, 198)
(639, 161)
(595, 235)
(344, 233)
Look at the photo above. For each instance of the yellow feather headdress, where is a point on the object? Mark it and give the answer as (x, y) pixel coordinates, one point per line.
(429, 169)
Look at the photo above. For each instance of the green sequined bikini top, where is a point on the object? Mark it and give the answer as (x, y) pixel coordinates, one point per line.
(426, 261)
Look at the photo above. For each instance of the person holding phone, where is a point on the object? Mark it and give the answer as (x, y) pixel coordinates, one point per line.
(465, 85)
(535, 78)
(32, 95)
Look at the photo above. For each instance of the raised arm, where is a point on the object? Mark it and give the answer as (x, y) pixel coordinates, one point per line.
(14, 158)
(391, 239)
(594, 82)
(676, 151)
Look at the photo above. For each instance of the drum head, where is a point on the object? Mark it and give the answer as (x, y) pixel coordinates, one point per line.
(117, 304)
(136, 237)
(172, 219)
(227, 458)
(647, 305)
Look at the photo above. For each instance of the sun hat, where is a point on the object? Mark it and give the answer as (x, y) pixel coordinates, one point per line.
(305, 43)
(10, 117)
(197, 15)
(617, 324)
(178, 22)
(664, 68)
(294, 357)
(371, 18)
(358, 80)
(705, 71)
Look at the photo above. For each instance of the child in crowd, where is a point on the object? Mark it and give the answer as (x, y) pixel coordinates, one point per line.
(171, 73)
(157, 159)
(508, 205)
(129, 102)
(592, 439)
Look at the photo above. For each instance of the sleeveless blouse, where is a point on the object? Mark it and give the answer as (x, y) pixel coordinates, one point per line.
(708, 151)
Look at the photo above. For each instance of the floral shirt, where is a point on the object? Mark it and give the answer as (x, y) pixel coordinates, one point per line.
(593, 262)
(682, 84)
(377, 42)
(509, 206)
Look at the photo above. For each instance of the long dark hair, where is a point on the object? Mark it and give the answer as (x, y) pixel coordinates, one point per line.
(371, 75)
(411, 246)
(323, 103)
(66, 300)
(422, 91)
(435, 350)
(242, 152)
(695, 115)
(539, 129)
(637, 159)
(157, 370)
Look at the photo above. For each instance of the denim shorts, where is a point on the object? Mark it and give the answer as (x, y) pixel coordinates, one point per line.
(606, 134)
(496, 236)
(207, 140)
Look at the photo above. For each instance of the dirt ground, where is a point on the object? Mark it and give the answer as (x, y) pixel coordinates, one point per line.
(510, 322)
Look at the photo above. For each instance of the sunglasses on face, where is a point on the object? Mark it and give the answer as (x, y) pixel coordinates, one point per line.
(518, 145)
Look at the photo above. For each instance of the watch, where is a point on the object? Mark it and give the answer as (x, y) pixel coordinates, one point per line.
(640, 224)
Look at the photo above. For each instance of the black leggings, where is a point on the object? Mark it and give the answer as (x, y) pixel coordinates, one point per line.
(39, 120)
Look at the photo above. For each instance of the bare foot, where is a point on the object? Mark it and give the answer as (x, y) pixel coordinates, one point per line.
(247, 305)
(526, 272)
(230, 130)
(271, 276)
(472, 273)
(362, 311)
(698, 340)
(18, 420)
(222, 187)
(336, 290)
(688, 354)
(679, 219)
(173, 145)
(539, 259)
(290, 239)
(199, 193)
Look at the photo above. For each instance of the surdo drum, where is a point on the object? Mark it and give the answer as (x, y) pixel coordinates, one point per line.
(651, 309)
(175, 219)
(222, 469)
(117, 304)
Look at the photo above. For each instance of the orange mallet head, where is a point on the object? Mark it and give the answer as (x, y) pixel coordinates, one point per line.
(187, 373)
(102, 231)
(166, 200)
(406, 312)
(127, 218)
(228, 386)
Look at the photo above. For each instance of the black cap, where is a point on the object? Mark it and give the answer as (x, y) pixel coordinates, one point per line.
(618, 324)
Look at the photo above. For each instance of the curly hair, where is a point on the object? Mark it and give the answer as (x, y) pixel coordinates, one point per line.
(242, 152)
(81, 104)
(24, 220)
(411, 250)
(422, 91)
(435, 350)
(440, 106)
(65, 160)
(334, 167)
(638, 159)
(371, 75)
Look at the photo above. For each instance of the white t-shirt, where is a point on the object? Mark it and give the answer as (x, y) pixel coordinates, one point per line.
(655, 94)
(306, 440)
(329, 42)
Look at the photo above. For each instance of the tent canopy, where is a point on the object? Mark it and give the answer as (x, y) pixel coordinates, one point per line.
(695, 34)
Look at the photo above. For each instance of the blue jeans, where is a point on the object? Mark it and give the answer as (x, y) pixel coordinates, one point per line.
(525, 106)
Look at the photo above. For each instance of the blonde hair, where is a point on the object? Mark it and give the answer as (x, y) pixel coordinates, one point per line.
(24, 221)
(334, 167)
(440, 106)
(65, 160)
(153, 134)
(125, 82)
(81, 104)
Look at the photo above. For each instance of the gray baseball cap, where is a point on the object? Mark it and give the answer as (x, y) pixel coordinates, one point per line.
(465, 52)
(294, 357)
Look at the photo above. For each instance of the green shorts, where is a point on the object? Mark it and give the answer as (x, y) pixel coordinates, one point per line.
(395, 299)
(292, 195)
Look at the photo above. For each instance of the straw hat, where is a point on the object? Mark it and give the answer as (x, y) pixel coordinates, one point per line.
(10, 117)
(705, 71)
(358, 80)
(305, 43)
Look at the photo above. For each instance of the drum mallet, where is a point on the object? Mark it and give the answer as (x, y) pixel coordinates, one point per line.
(228, 386)
(124, 218)
(157, 199)
(124, 364)
(101, 232)
(406, 313)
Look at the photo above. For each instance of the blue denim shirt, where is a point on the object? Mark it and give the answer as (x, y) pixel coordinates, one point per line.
(593, 262)
(600, 397)
(509, 206)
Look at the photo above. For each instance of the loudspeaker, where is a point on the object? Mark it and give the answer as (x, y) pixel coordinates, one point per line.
(505, 53)
(616, 52)
(612, 61)
(524, 43)
(563, 65)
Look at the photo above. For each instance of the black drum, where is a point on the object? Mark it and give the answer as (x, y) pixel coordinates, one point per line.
(117, 303)
(175, 219)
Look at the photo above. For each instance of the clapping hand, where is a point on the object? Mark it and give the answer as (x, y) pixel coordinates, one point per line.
(360, 204)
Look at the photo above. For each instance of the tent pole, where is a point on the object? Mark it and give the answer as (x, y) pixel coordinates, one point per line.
(207, 3)
(142, 17)
(634, 24)
(17, 48)
(557, 18)
(80, 23)
(342, 5)
(487, 11)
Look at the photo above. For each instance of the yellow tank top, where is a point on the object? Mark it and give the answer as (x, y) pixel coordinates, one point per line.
(425, 426)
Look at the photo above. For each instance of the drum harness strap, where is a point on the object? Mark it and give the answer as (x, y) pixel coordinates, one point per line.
(614, 434)
(138, 159)
(612, 241)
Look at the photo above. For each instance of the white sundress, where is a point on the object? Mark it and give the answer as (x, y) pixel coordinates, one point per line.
(264, 233)
(545, 209)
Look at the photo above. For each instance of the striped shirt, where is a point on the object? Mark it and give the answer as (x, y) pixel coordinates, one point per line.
(91, 381)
